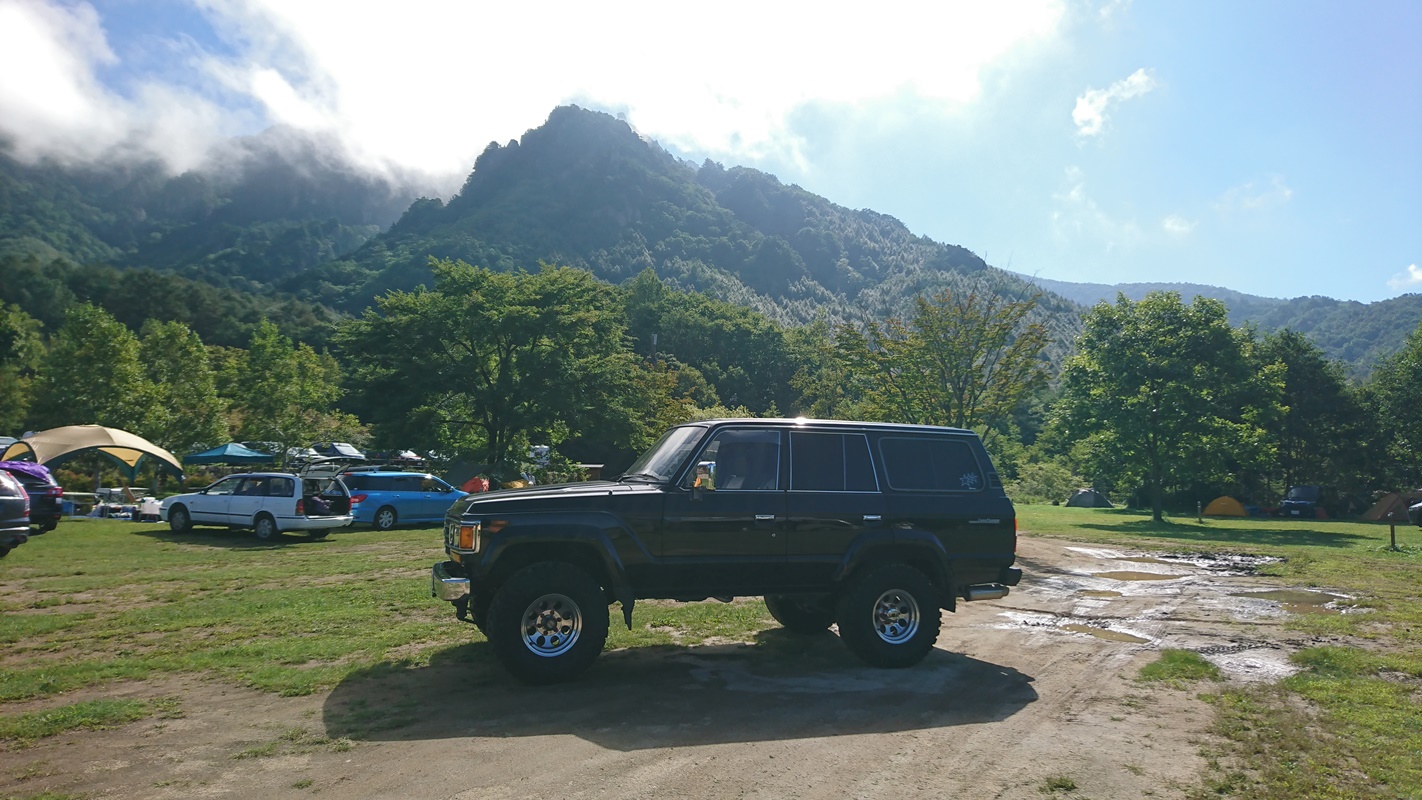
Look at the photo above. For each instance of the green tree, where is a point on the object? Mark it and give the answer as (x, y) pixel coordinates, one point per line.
(1317, 440)
(186, 414)
(286, 394)
(93, 375)
(1164, 395)
(967, 360)
(21, 349)
(489, 360)
(1395, 390)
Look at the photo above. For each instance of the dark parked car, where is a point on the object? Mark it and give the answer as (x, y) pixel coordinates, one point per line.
(871, 526)
(1301, 501)
(46, 495)
(14, 514)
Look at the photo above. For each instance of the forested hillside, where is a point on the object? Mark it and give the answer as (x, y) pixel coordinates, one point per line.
(279, 225)
(1358, 334)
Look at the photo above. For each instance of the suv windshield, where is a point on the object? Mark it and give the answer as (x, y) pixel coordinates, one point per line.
(670, 451)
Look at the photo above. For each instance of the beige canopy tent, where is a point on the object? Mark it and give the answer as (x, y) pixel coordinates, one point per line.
(60, 444)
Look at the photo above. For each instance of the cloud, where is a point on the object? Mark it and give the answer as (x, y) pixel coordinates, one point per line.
(1409, 280)
(1090, 111)
(1078, 217)
(1252, 196)
(430, 85)
(1177, 226)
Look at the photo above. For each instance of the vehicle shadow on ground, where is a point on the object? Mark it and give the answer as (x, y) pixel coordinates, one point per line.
(224, 537)
(783, 687)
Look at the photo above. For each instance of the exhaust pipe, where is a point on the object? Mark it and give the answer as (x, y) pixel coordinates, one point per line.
(985, 591)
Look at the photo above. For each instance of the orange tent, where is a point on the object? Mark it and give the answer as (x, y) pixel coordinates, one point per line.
(1224, 506)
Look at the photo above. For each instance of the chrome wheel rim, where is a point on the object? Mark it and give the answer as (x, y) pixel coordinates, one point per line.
(896, 616)
(551, 625)
(385, 519)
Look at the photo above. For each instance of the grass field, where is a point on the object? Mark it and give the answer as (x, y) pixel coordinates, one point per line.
(99, 601)
(1350, 723)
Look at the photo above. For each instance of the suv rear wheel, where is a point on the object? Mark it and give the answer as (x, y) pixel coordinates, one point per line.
(548, 622)
(889, 616)
(801, 613)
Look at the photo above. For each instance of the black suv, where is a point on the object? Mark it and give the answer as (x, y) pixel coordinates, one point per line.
(873, 526)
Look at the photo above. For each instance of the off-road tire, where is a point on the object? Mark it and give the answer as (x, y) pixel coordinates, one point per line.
(889, 616)
(179, 520)
(385, 519)
(265, 527)
(547, 622)
(801, 613)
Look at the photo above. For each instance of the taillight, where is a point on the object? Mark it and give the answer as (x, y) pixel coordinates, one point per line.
(301, 507)
(54, 491)
(358, 498)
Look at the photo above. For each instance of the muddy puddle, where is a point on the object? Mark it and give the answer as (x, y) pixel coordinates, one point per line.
(1297, 601)
(1104, 633)
(1128, 575)
(1125, 601)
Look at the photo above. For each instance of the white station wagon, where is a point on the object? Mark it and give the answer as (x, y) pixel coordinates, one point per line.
(269, 503)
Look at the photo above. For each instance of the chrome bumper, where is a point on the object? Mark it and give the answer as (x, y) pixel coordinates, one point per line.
(445, 586)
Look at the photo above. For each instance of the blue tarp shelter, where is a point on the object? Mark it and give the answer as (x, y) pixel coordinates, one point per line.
(230, 453)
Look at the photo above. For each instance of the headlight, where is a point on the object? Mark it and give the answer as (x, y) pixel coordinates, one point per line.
(468, 537)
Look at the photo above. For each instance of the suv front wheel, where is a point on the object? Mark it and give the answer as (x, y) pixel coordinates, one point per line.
(889, 616)
(548, 622)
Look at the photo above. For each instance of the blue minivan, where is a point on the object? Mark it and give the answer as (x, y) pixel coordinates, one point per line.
(386, 499)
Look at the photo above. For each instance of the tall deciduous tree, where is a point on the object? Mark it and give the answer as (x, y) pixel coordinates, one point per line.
(186, 414)
(1165, 394)
(20, 352)
(93, 375)
(965, 359)
(489, 359)
(1318, 438)
(1396, 391)
(286, 394)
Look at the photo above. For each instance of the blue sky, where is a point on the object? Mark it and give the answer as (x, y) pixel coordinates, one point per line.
(1273, 148)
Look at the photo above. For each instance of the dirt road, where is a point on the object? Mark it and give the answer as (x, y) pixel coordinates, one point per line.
(1026, 693)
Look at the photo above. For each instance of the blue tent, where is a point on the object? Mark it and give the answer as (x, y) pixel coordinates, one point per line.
(230, 453)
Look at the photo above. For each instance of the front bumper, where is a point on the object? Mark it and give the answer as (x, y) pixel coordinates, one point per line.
(447, 586)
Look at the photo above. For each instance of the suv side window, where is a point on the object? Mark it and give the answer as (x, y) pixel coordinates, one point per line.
(746, 460)
(831, 462)
(930, 464)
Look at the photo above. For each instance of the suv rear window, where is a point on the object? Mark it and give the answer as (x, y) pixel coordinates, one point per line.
(930, 464)
(831, 462)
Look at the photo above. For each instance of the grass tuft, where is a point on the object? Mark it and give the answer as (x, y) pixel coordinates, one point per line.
(1179, 666)
(93, 715)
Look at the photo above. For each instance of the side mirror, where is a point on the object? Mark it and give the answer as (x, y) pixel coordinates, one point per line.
(704, 480)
